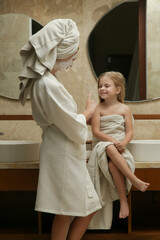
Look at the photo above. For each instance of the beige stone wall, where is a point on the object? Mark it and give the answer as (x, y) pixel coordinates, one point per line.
(15, 30)
(153, 48)
(79, 80)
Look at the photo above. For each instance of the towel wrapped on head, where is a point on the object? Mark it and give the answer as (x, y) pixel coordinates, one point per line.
(59, 39)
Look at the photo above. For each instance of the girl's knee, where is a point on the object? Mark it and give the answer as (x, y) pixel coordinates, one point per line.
(110, 149)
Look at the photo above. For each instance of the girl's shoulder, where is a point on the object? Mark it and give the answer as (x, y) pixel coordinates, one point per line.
(97, 110)
(98, 107)
(124, 106)
(124, 109)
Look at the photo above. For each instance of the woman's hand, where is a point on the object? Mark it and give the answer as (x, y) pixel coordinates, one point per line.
(90, 107)
(91, 104)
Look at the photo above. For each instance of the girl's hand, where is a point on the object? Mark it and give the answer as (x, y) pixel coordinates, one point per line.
(119, 145)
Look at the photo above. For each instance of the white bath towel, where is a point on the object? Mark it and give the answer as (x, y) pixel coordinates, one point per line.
(59, 39)
(113, 125)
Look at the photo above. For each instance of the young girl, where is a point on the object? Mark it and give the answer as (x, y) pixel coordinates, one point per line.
(112, 127)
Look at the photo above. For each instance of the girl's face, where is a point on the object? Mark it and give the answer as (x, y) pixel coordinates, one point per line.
(107, 89)
(64, 64)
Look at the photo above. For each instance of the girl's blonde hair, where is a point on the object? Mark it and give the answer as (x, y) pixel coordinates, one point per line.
(118, 80)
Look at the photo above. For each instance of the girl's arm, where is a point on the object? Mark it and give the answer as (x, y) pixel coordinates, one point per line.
(128, 130)
(128, 127)
(96, 127)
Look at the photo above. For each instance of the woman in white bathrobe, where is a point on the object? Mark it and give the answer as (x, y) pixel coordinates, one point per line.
(64, 186)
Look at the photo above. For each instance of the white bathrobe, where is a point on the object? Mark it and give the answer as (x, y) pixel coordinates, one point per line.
(64, 185)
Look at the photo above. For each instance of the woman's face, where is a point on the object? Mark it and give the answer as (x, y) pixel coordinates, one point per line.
(64, 64)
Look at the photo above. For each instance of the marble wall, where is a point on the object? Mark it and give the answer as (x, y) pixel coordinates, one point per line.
(15, 30)
(153, 48)
(79, 80)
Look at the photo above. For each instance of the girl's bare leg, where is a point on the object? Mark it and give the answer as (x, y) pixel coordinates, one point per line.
(60, 227)
(119, 181)
(78, 227)
(120, 162)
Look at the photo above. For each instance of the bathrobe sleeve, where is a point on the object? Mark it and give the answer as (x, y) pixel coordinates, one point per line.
(60, 110)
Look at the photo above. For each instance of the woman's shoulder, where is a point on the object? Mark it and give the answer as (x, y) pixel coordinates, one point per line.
(46, 81)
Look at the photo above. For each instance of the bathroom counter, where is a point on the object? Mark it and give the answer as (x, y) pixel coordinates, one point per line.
(35, 165)
(20, 165)
(23, 177)
(147, 164)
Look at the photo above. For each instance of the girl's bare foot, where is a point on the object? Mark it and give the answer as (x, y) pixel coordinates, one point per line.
(140, 185)
(124, 209)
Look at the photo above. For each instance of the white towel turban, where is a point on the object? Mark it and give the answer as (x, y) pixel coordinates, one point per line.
(59, 39)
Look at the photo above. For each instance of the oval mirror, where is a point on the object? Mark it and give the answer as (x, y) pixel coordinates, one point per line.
(114, 45)
(15, 32)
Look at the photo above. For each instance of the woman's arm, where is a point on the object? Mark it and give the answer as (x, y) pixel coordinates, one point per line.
(90, 107)
(59, 109)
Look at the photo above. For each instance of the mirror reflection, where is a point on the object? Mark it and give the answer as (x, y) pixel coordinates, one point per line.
(15, 32)
(118, 43)
(113, 46)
